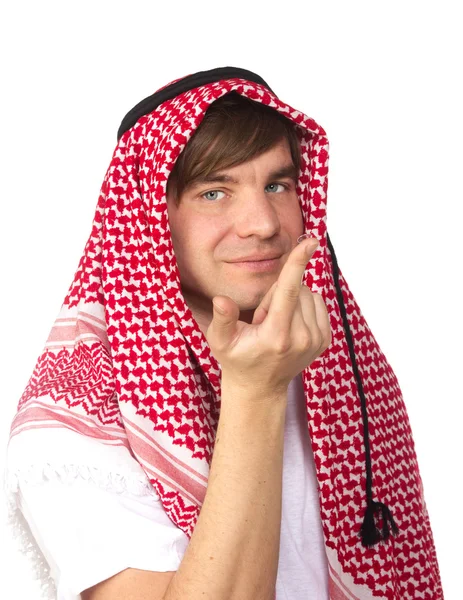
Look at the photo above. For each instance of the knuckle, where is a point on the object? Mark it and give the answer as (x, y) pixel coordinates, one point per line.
(282, 344)
(305, 340)
(326, 342)
(317, 338)
(329, 338)
(291, 292)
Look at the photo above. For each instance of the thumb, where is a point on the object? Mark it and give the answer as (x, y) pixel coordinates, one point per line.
(225, 316)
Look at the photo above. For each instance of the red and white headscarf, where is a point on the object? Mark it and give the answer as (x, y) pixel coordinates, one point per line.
(127, 364)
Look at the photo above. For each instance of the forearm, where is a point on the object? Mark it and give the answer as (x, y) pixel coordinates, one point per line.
(233, 552)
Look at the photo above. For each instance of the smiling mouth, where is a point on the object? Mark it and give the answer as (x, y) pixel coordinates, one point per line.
(258, 265)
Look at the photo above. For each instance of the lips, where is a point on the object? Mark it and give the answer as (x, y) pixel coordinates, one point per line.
(256, 258)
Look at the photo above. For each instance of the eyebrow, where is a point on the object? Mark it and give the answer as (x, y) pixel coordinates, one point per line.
(288, 171)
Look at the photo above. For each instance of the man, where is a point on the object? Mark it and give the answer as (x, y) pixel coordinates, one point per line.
(199, 420)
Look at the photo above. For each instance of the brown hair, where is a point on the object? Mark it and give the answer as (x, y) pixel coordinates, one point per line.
(233, 130)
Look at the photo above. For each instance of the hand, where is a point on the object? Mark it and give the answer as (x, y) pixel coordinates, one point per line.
(289, 330)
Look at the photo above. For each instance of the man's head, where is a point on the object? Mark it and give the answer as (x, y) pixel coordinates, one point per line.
(232, 194)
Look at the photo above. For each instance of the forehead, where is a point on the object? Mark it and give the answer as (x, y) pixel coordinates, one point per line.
(275, 162)
(280, 151)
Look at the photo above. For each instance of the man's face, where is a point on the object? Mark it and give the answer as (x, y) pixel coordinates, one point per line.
(220, 221)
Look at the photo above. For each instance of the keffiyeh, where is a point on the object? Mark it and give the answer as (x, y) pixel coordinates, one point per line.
(126, 362)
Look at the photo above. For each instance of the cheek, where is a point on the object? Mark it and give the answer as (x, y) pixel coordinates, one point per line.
(292, 219)
(196, 244)
(299, 217)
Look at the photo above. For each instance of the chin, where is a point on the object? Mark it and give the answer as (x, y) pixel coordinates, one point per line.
(251, 305)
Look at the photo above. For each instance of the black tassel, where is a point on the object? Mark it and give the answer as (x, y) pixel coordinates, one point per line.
(369, 533)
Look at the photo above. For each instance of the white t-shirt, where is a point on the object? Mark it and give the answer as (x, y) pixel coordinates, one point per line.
(88, 533)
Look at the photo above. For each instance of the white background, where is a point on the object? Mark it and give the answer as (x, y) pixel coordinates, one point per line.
(383, 79)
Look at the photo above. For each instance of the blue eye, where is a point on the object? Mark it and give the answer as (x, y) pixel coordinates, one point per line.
(277, 184)
(211, 192)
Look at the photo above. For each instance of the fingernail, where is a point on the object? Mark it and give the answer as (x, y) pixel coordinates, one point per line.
(302, 237)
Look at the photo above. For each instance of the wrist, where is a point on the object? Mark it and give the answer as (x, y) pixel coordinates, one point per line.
(252, 397)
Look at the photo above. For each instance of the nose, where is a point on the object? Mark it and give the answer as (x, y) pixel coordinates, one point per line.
(256, 215)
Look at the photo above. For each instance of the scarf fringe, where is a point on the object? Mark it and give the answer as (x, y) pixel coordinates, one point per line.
(18, 527)
(26, 545)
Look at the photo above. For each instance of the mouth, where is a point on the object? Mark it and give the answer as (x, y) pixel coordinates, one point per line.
(258, 265)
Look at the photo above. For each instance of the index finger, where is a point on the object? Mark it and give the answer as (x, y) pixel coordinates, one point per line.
(288, 288)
